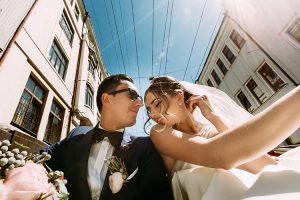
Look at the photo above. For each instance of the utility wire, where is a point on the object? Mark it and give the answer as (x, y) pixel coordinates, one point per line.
(126, 45)
(110, 28)
(118, 35)
(137, 57)
(169, 36)
(136, 51)
(200, 20)
(211, 36)
(152, 34)
(99, 30)
(163, 43)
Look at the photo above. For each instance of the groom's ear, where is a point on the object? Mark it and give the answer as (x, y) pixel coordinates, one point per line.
(105, 98)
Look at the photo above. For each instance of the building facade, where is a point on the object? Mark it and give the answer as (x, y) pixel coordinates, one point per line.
(50, 69)
(255, 57)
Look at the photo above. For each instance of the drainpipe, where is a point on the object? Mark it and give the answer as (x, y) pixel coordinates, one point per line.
(13, 39)
(72, 111)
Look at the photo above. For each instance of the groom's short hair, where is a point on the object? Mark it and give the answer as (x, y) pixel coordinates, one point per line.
(109, 84)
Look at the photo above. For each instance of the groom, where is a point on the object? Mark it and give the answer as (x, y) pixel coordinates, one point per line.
(81, 156)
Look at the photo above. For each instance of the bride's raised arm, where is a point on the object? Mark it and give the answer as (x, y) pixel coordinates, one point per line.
(234, 146)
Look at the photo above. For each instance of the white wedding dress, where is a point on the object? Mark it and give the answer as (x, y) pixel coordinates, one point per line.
(274, 182)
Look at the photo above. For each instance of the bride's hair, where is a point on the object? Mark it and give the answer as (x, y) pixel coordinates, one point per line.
(163, 86)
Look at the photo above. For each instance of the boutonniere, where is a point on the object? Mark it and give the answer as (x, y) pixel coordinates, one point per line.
(118, 172)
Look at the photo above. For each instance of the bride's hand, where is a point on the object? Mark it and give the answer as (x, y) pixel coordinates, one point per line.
(203, 103)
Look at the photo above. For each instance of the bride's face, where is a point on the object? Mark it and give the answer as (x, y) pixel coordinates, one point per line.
(164, 111)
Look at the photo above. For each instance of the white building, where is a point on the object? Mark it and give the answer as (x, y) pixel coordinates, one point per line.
(255, 57)
(50, 68)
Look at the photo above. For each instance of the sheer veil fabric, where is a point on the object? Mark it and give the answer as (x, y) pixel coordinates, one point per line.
(192, 182)
(221, 103)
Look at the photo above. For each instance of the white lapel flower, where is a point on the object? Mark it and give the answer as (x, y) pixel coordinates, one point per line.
(119, 175)
(116, 182)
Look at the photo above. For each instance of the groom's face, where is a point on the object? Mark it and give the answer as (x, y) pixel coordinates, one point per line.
(125, 104)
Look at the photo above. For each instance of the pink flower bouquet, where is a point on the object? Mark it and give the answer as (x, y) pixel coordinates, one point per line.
(24, 177)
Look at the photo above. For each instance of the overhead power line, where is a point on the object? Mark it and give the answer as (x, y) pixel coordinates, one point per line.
(200, 20)
(99, 30)
(163, 43)
(136, 49)
(126, 45)
(152, 34)
(169, 36)
(210, 39)
(112, 6)
(110, 28)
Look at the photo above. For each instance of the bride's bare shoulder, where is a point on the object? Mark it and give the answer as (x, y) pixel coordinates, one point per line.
(159, 129)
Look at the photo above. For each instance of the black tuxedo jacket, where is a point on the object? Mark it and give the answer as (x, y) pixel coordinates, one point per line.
(150, 182)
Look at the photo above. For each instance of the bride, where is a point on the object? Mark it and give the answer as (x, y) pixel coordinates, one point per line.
(213, 149)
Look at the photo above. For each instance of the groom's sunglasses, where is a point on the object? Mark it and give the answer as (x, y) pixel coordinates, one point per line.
(133, 95)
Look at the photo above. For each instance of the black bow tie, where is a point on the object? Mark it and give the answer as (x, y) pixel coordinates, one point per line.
(114, 137)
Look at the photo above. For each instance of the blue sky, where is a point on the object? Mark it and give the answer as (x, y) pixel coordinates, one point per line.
(167, 46)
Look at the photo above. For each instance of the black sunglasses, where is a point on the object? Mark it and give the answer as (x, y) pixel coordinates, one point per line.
(133, 95)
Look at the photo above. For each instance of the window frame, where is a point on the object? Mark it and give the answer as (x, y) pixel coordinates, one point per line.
(59, 54)
(76, 12)
(250, 109)
(91, 62)
(209, 83)
(230, 58)
(89, 90)
(66, 26)
(224, 72)
(33, 99)
(286, 32)
(274, 88)
(252, 91)
(235, 36)
(217, 80)
(54, 116)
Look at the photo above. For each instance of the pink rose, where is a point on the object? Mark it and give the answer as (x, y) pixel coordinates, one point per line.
(3, 192)
(27, 182)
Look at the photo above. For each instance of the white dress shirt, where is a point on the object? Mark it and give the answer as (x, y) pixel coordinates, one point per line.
(97, 168)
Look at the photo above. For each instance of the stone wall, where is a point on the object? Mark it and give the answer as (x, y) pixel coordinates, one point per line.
(22, 141)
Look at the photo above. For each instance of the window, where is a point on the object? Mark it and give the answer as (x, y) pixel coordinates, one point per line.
(222, 67)
(76, 12)
(294, 30)
(66, 26)
(237, 39)
(29, 109)
(244, 101)
(91, 66)
(58, 60)
(54, 124)
(216, 77)
(255, 90)
(89, 94)
(228, 54)
(209, 83)
(271, 77)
